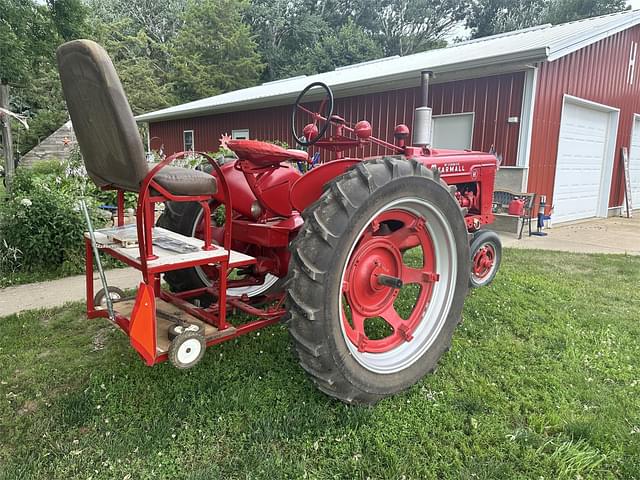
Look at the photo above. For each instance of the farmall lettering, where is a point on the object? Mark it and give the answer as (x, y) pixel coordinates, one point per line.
(448, 168)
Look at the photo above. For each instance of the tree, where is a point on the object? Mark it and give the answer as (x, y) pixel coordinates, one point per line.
(561, 11)
(403, 27)
(349, 45)
(214, 52)
(69, 18)
(489, 17)
(291, 33)
(30, 32)
(144, 76)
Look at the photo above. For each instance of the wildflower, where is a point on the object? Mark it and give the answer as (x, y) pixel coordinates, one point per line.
(25, 202)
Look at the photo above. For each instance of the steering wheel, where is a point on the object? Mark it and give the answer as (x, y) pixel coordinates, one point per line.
(327, 103)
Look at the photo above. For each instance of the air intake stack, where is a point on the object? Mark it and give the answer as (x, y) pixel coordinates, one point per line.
(422, 119)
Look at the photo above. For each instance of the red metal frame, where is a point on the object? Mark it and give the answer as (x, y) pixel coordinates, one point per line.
(150, 193)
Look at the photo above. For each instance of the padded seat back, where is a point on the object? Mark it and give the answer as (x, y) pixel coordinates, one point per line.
(102, 119)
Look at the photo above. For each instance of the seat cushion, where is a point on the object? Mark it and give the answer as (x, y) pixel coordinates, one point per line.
(186, 181)
(265, 154)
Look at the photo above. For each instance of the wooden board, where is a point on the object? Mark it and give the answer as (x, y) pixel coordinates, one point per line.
(125, 308)
(627, 181)
(104, 239)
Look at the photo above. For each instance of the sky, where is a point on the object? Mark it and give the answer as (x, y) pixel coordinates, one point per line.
(635, 4)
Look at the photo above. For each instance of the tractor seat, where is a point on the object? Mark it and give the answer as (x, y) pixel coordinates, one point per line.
(106, 130)
(186, 181)
(265, 154)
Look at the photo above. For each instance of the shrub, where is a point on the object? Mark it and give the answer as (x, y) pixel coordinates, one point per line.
(42, 217)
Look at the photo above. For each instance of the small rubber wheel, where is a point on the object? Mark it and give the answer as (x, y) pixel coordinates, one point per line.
(486, 255)
(100, 299)
(177, 329)
(187, 349)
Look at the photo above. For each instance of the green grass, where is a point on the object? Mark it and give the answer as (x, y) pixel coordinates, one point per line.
(542, 381)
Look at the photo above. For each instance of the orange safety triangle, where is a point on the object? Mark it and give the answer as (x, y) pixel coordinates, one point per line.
(142, 330)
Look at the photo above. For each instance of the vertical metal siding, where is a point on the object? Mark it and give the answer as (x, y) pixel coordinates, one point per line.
(597, 73)
(493, 99)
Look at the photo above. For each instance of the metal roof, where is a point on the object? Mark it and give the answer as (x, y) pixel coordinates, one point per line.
(520, 47)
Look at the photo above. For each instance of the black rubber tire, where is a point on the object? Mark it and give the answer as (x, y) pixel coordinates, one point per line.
(318, 256)
(180, 217)
(174, 348)
(481, 238)
(100, 296)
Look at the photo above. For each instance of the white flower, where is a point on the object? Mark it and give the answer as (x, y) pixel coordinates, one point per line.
(25, 202)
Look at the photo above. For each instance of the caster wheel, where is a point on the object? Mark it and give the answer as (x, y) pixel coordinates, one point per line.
(486, 255)
(186, 350)
(177, 329)
(100, 300)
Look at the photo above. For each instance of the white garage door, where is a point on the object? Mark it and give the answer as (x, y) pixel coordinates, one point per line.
(634, 164)
(583, 153)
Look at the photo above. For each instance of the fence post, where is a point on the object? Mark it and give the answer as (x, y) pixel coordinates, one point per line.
(7, 139)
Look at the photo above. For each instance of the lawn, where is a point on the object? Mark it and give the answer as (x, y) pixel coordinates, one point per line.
(542, 381)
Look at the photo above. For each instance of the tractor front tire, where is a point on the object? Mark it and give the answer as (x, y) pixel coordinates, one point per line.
(348, 270)
(184, 218)
(486, 255)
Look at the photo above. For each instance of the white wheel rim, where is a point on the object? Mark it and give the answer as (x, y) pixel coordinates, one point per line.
(437, 310)
(249, 290)
(188, 351)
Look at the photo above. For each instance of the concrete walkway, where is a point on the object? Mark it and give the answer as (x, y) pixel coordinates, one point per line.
(612, 235)
(55, 293)
(603, 235)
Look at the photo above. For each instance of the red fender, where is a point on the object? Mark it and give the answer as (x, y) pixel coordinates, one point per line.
(308, 188)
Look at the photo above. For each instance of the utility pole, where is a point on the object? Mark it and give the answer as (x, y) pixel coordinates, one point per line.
(7, 139)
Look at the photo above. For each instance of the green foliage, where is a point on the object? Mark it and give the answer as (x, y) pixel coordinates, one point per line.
(214, 51)
(30, 31)
(349, 45)
(488, 17)
(44, 222)
(141, 65)
(42, 218)
(309, 36)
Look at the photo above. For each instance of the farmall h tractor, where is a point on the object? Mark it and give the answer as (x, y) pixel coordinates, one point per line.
(375, 255)
(367, 260)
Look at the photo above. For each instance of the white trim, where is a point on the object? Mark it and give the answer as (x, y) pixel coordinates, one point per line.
(526, 118)
(240, 134)
(193, 140)
(610, 149)
(636, 116)
(473, 123)
(148, 136)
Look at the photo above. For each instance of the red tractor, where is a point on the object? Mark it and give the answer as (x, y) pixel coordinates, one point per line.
(367, 260)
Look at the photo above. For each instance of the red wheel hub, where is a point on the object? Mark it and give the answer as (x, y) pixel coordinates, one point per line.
(483, 261)
(379, 252)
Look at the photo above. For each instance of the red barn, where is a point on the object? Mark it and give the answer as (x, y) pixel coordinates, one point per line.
(557, 102)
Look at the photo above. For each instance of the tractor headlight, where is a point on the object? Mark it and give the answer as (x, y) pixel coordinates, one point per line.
(256, 209)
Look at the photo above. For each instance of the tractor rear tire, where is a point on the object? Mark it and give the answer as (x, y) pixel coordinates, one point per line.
(182, 218)
(333, 269)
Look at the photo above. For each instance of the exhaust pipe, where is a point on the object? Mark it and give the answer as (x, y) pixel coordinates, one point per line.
(422, 119)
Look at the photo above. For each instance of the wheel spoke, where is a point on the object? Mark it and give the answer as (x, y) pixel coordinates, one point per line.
(416, 275)
(392, 317)
(306, 110)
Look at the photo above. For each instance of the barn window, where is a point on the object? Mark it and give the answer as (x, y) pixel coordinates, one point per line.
(453, 131)
(188, 141)
(242, 134)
